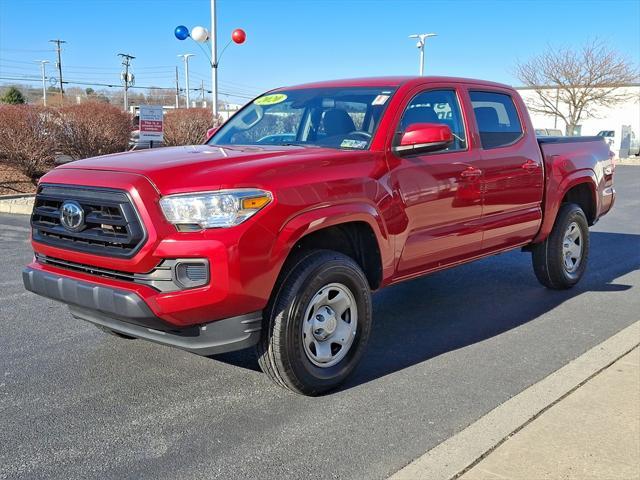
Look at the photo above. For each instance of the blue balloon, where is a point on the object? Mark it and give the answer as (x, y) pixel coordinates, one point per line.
(181, 32)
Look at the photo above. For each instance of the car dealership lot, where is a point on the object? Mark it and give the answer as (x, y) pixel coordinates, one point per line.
(445, 349)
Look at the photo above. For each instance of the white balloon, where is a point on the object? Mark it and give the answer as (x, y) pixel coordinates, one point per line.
(200, 34)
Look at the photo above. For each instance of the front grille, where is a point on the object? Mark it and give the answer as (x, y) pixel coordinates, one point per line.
(111, 224)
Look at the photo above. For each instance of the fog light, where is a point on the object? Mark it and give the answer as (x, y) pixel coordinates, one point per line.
(191, 274)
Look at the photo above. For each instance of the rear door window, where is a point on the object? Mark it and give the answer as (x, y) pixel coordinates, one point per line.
(497, 119)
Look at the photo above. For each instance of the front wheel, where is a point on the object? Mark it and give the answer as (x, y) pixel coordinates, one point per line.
(561, 260)
(318, 323)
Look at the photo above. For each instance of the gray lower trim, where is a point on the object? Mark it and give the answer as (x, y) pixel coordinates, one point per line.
(121, 303)
(221, 336)
(125, 312)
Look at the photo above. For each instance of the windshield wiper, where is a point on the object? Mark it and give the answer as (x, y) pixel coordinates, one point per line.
(298, 144)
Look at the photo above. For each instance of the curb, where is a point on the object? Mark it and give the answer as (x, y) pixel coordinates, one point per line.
(455, 456)
(628, 161)
(17, 204)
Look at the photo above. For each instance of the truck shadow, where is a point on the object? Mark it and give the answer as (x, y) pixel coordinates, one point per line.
(427, 317)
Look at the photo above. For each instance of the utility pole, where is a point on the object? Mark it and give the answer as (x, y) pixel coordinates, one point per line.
(126, 63)
(185, 57)
(214, 63)
(59, 64)
(177, 90)
(422, 38)
(43, 64)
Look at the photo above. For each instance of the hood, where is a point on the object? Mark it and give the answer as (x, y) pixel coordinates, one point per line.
(181, 169)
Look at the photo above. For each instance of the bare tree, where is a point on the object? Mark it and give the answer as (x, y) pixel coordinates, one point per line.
(27, 143)
(574, 84)
(187, 126)
(91, 129)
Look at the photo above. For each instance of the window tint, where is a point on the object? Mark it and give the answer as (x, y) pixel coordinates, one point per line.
(355, 110)
(344, 118)
(497, 119)
(278, 124)
(437, 106)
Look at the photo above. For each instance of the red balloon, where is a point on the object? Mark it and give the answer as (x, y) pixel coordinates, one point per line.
(238, 36)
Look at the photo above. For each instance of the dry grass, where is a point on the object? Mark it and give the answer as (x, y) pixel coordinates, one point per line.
(12, 182)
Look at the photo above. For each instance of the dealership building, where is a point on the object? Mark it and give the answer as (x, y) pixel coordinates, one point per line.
(620, 121)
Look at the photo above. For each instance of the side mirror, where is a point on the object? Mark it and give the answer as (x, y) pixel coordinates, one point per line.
(211, 132)
(424, 137)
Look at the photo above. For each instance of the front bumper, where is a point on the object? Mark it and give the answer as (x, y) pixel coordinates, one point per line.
(242, 265)
(126, 312)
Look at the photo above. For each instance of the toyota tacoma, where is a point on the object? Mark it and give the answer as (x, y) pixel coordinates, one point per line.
(275, 232)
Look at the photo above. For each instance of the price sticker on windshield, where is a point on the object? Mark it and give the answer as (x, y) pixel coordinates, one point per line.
(350, 143)
(270, 99)
(380, 100)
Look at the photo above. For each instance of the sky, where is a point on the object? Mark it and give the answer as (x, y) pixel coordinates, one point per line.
(297, 41)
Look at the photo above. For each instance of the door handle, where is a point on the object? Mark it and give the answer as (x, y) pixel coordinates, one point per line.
(530, 165)
(470, 173)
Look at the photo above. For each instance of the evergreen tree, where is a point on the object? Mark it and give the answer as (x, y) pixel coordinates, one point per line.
(13, 96)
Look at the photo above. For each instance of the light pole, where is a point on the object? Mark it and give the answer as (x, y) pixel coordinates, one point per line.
(422, 37)
(43, 64)
(202, 35)
(214, 63)
(186, 57)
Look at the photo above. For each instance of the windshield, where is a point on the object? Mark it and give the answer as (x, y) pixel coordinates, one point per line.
(343, 118)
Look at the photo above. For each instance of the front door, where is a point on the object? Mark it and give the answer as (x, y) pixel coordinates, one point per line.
(440, 191)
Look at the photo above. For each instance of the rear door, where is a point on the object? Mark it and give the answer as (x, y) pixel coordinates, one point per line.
(439, 191)
(512, 180)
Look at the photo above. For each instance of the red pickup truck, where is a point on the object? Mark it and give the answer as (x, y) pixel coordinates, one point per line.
(275, 232)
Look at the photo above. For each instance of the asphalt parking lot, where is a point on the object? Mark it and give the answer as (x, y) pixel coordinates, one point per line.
(445, 350)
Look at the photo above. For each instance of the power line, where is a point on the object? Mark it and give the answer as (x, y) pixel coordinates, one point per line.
(113, 85)
(24, 50)
(148, 75)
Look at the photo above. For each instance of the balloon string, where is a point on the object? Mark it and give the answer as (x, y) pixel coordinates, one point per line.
(205, 52)
(221, 52)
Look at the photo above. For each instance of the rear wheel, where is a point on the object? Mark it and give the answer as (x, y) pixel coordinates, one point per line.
(318, 323)
(561, 260)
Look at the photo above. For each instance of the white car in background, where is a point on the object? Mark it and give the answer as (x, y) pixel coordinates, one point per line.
(549, 132)
(618, 145)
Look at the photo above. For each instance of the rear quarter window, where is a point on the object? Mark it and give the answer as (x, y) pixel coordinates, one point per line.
(497, 119)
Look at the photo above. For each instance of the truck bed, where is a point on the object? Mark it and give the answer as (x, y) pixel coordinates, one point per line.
(566, 159)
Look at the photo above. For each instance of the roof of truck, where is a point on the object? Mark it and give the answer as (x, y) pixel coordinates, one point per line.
(393, 81)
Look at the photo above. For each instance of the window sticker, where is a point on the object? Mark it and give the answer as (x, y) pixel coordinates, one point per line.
(350, 143)
(380, 100)
(270, 99)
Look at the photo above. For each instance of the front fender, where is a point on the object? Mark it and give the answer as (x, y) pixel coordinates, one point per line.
(315, 219)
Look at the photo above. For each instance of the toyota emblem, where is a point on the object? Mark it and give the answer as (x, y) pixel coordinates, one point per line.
(72, 216)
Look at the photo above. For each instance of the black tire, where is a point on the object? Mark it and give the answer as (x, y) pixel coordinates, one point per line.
(281, 353)
(548, 261)
(115, 334)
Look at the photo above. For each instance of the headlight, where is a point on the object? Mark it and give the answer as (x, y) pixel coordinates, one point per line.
(224, 208)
